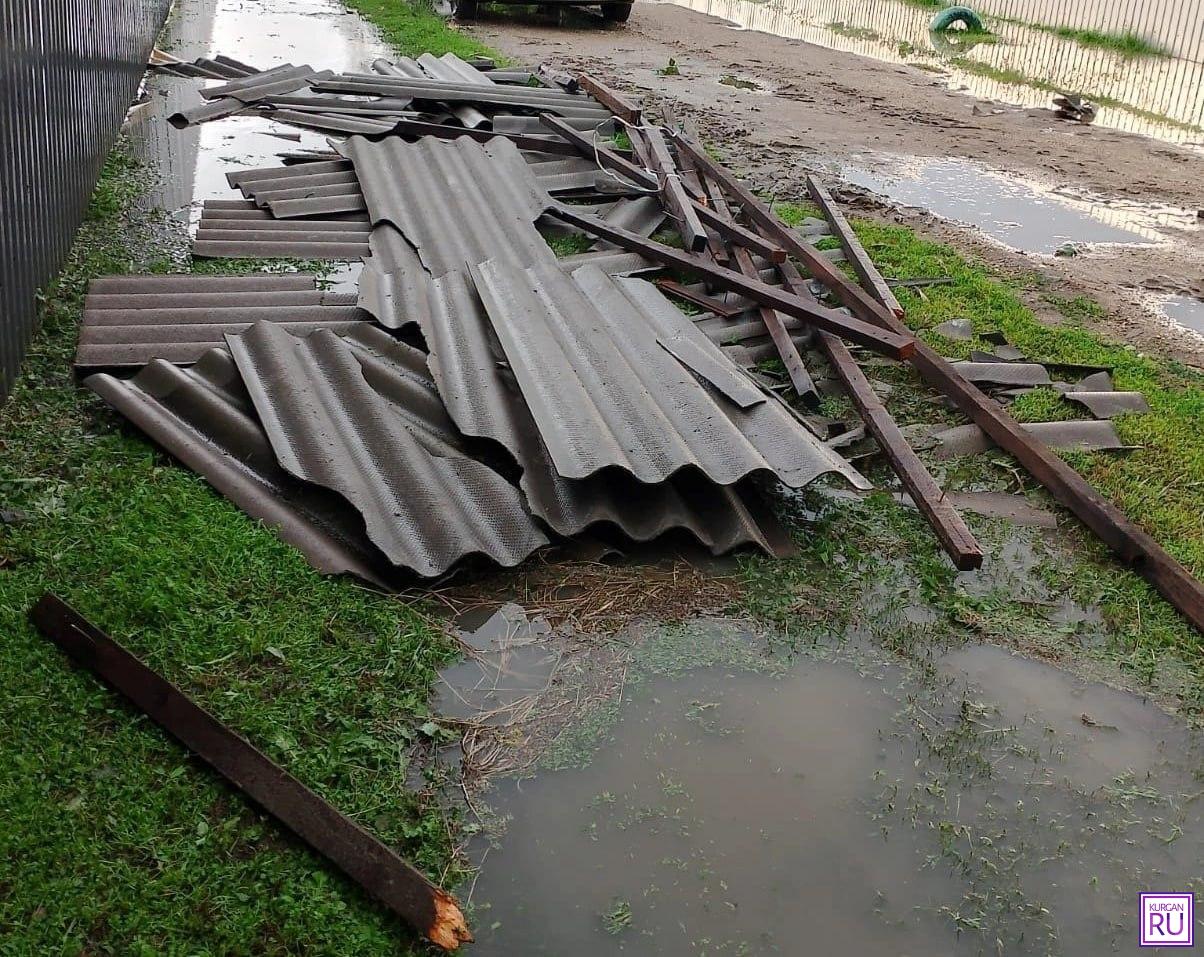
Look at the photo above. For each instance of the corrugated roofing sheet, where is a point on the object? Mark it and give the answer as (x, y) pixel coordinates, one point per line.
(468, 375)
(327, 425)
(279, 79)
(204, 417)
(129, 320)
(588, 354)
(460, 201)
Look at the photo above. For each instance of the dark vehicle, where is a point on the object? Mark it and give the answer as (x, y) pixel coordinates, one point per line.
(611, 12)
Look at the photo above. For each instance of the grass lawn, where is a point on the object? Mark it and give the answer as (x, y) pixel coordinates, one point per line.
(113, 840)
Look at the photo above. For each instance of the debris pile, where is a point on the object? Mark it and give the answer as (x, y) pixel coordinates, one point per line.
(480, 395)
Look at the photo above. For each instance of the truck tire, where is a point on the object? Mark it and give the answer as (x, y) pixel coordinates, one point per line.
(616, 12)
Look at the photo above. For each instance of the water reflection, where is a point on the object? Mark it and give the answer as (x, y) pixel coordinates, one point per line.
(1159, 96)
(1186, 311)
(1017, 213)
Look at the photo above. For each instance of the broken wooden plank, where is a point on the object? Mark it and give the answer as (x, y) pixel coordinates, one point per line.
(800, 378)
(856, 299)
(376, 868)
(886, 342)
(618, 104)
(858, 258)
(677, 200)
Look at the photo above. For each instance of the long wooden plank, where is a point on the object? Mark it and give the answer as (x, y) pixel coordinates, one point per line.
(673, 190)
(889, 343)
(856, 299)
(618, 104)
(377, 869)
(858, 258)
(950, 529)
(1129, 542)
(800, 378)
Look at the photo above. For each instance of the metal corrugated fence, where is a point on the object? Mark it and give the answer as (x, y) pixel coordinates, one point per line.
(68, 72)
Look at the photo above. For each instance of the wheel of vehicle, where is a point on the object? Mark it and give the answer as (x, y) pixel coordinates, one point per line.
(466, 9)
(616, 12)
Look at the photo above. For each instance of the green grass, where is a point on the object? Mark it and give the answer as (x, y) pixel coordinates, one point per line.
(1127, 44)
(1160, 485)
(414, 28)
(114, 840)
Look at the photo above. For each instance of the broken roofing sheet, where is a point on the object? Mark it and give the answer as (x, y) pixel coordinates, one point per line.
(328, 426)
(460, 201)
(596, 359)
(130, 320)
(204, 417)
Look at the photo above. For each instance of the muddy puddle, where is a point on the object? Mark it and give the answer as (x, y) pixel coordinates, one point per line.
(844, 803)
(190, 165)
(1017, 213)
(1159, 96)
(1186, 311)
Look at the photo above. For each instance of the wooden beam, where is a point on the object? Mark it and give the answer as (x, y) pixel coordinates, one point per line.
(699, 299)
(618, 104)
(859, 259)
(609, 159)
(584, 145)
(376, 868)
(677, 201)
(858, 301)
(800, 378)
(950, 529)
(1129, 542)
(889, 343)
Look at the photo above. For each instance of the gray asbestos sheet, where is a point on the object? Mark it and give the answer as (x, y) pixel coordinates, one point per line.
(459, 202)
(328, 426)
(1105, 405)
(586, 351)
(1004, 373)
(1086, 435)
(469, 373)
(204, 417)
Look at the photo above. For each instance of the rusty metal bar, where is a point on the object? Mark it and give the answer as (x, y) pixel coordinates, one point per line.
(377, 869)
(887, 342)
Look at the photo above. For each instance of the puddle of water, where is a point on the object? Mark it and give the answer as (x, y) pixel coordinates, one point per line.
(508, 663)
(1014, 212)
(1187, 311)
(711, 825)
(897, 32)
(834, 809)
(192, 164)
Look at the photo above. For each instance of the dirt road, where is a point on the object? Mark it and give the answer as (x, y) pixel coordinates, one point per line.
(818, 109)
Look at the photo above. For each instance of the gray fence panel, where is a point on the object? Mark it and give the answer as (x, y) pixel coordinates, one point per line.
(68, 72)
